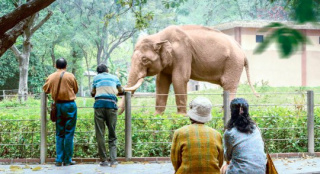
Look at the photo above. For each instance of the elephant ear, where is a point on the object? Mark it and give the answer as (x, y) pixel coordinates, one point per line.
(164, 49)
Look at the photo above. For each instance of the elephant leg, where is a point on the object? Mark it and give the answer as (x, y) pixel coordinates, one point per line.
(163, 83)
(232, 73)
(232, 88)
(180, 90)
(232, 95)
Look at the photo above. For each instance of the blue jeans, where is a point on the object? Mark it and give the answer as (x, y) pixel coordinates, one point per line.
(65, 127)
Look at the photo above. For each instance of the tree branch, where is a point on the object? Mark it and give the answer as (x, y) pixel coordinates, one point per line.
(10, 37)
(122, 38)
(112, 41)
(22, 12)
(35, 28)
(15, 51)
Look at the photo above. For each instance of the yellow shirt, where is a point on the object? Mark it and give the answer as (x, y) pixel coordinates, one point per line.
(197, 149)
(68, 86)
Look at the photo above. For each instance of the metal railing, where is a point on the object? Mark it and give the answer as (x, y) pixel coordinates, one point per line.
(135, 125)
(307, 118)
(20, 127)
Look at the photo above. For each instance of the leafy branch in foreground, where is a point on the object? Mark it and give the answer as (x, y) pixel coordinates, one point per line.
(287, 39)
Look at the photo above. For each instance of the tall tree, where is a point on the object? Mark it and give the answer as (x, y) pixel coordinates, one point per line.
(24, 55)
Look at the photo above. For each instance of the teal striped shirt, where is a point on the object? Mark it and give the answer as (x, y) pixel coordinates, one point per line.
(105, 87)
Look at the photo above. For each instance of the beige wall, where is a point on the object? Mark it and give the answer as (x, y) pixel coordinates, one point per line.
(277, 72)
(313, 36)
(313, 68)
(268, 66)
(313, 58)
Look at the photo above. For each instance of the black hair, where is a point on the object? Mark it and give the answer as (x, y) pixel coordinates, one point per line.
(240, 116)
(102, 68)
(61, 63)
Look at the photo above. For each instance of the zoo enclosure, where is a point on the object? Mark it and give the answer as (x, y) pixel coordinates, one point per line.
(128, 122)
(132, 129)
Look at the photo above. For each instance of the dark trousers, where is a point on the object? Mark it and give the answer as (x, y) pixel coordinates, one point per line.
(65, 127)
(103, 117)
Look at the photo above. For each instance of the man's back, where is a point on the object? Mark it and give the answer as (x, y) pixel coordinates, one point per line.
(104, 89)
(68, 86)
(197, 148)
(105, 85)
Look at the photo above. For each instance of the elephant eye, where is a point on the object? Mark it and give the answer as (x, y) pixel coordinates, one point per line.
(145, 60)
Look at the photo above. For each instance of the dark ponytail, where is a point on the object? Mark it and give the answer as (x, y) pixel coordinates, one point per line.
(240, 116)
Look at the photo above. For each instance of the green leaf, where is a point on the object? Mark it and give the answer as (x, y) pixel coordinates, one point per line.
(287, 39)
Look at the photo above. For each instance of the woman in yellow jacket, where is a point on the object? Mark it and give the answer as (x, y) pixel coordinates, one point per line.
(197, 148)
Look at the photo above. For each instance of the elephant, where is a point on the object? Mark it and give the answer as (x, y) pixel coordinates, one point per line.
(179, 53)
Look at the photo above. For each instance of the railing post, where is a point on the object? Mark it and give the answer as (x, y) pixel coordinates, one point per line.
(226, 107)
(310, 107)
(4, 94)
(43, 141)
(128, 129)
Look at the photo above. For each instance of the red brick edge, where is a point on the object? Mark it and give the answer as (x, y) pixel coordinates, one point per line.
(145, 159)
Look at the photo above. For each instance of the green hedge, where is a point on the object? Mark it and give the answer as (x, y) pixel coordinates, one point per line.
(151, 134)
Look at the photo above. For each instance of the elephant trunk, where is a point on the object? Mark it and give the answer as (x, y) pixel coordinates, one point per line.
(134, 82)
(132, 89)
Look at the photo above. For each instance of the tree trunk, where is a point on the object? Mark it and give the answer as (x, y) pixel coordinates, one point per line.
(53, 57)
(24, 56)
(23, 77)
(87, 64)
(99, 54)
(24, 61)
(101, 43)
(74, 69)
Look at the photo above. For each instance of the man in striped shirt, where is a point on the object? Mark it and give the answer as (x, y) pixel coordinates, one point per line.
(197, 148)
(104, 89)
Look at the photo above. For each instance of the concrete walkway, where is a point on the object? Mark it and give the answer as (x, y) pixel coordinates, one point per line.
(284, 166)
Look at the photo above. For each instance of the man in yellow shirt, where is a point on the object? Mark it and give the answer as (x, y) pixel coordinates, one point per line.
(197, 148)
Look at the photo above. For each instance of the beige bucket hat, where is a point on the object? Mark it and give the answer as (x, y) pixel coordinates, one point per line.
(200, 109)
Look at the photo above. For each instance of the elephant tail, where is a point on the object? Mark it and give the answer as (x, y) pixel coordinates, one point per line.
(246, 65)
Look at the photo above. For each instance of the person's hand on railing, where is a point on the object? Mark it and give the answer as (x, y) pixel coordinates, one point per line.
(93, 92)
(121, 90)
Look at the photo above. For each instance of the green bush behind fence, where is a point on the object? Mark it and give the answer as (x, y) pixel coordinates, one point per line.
(284, 127)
